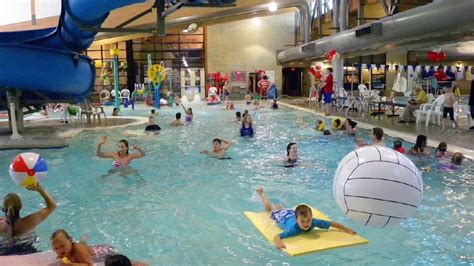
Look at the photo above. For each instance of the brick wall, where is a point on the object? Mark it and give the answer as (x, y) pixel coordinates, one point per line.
(241, 46)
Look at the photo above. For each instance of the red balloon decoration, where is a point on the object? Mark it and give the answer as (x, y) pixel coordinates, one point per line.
(331, 54)
(436, 57)
(318, 75)
(440, 57)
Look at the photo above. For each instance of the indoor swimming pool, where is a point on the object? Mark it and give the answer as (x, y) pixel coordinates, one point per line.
(185, 208)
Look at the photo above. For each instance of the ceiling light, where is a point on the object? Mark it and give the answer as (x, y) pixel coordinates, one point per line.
(256, 22)
(272, 7)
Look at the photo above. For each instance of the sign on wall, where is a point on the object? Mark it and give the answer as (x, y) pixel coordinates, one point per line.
(238, 76)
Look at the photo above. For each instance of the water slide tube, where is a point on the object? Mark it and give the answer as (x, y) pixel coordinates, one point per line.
(45, 64)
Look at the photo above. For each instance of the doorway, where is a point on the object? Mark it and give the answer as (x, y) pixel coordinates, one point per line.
(292, 81)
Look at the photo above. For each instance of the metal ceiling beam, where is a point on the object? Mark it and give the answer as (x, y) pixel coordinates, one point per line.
(385, 7)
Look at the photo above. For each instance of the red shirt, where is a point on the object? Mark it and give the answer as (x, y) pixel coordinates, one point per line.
(400, 150)
(329, 84)
(263, 85)
(440, 75)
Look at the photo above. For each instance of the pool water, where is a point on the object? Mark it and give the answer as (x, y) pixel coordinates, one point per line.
(186, 208)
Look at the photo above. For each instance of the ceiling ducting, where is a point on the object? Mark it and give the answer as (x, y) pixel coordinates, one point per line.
(438, 23)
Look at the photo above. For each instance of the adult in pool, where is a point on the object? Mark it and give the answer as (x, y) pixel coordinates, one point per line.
(246, 129)
(17, 230)
(218, 150)
(121, 157)
(291, 154)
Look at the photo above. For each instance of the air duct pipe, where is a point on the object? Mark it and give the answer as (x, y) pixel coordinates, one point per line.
(417, 27)
(302, 5)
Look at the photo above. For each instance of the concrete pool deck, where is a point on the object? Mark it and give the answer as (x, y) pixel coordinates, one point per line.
(460, 140)
(51, 133)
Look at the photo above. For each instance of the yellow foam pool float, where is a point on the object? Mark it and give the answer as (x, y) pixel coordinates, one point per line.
(313, 241)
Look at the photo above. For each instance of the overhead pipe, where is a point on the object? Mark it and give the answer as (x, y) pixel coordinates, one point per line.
(421, 25)
(302, 5)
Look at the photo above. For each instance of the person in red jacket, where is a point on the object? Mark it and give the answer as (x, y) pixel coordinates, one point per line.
(327, 89)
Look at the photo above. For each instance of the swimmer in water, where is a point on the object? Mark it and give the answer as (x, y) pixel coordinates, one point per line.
(291, 154)
(218, 150)
(189, 114)
(246, 129)
(122, 157)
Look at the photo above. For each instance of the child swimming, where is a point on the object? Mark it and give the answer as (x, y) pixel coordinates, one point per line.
(218, 151)
(238, 117)
(70, 252)
(397, 145)
(177, 121)
(319, 125)
(377, 136)
(295, 222)
(420, 146)
(360, 143)
(189, 114)
(246, 129)
(442, 150)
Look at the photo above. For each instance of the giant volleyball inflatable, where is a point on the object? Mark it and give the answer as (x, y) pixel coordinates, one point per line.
(28, 168)
(377, 186)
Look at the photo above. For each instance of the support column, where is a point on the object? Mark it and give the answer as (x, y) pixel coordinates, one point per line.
(335, 15)
(338, 68)
(360, 13)
(13, 97)
(131, 69)
(343, 13)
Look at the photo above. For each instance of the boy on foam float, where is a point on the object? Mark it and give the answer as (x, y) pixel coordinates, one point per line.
(295, 222)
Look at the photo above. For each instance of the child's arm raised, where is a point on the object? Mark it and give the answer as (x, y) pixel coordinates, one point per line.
(343, 228)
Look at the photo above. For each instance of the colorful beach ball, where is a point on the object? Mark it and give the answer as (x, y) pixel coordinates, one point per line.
(28, 168)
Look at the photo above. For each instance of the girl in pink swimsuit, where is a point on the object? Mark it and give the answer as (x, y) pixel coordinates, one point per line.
(121, 157)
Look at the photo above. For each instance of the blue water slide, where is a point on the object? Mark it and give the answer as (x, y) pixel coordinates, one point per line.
(45, 64)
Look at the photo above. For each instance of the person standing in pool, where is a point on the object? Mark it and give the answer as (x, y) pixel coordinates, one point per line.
(189, 114)
(16, 228)
(121, 157)
(218, 150)
(291, 153)
(246, 129)
(152, 127)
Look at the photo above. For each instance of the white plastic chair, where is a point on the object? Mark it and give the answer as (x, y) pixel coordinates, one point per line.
(94, 111)
(423, 111)
(104, 96)
(437, 110)
(424, 108)
(125, 94)
(460, 110)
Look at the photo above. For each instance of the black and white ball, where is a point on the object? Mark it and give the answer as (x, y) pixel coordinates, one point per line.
(377, 186)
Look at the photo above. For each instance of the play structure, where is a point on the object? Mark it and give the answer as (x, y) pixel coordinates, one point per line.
(213, 96)
(156, 75)
(217, 80)
(57, 71)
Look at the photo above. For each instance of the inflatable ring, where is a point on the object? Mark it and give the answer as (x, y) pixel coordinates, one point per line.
(333, 123)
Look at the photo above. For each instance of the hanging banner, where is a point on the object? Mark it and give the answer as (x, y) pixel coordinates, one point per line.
(386, 67)
(396, 67)
(469, 73)
(363, 66)
(405, 68)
